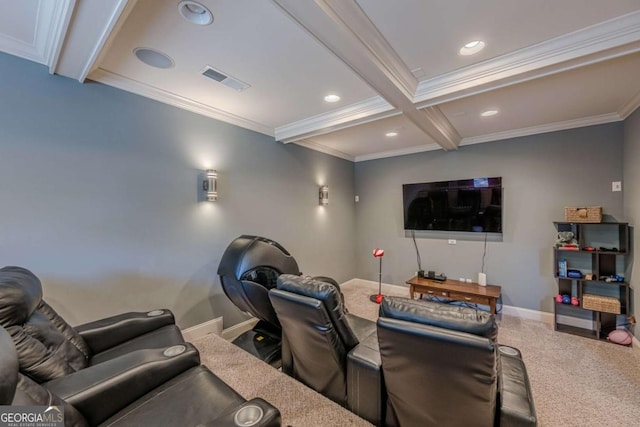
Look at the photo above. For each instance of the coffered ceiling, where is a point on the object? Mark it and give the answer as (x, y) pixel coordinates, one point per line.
(546, 65)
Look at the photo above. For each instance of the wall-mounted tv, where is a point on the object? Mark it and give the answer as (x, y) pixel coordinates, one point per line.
(471, 205)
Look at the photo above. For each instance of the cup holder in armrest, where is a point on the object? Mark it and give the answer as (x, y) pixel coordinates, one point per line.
(174, 350)
(248, 415)
(155, 313)
(509, 351)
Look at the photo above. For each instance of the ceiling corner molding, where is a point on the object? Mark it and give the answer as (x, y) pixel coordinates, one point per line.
(361, 112)
(353, 20)
(121, 10)
(630, 106)
(58, 32)
(592, 43)
(551, 127)
(126, 84)
(399, 152)
(311, 145)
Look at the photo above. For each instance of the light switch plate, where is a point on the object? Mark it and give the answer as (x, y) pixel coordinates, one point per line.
(616, 186)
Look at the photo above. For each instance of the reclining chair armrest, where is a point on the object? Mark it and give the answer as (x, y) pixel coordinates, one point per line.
(101, 390)
(270, 415)
(366, 394)
(111, 331)
(516, 400)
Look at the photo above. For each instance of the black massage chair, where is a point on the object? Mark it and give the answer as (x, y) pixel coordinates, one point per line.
(248, 269)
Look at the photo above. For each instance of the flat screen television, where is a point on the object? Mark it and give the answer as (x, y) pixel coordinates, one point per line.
(470, 205)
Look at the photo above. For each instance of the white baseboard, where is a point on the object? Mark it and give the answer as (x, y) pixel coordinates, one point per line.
(238, 329)
(526, 313)
(374, 284)
(213, 326)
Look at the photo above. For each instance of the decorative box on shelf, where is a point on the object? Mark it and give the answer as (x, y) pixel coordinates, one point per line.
(601, 303)
(586, 214)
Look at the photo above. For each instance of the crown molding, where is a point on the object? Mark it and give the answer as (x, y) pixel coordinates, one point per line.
(398, 152)
(515, 133)
(551, 127)
(361, 112)
(121, 10)
(103, 76)
(591, 44)
(311, 145)
(630, 106)
(354, 21)
(58, 32)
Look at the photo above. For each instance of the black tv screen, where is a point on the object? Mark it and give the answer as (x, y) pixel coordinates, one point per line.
(472, 205)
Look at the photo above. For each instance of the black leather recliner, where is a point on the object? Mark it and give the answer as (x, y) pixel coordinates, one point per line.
(248, 268)
(442, 366)
(49, 348)
(154, 387)
(318, 339)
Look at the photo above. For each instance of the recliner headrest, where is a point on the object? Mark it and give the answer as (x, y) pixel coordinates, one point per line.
(330, 296)
(323, 291)
(20, 294)
(8, 368)
(462, 319)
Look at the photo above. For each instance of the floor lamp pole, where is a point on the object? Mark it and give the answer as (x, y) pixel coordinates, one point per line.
(377, 298)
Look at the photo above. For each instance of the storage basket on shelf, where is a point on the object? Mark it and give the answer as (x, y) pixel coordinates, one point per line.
(601, 303)
(587, 214)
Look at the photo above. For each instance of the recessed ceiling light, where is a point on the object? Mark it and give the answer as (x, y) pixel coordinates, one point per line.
(195, 12)
(153, 58)
(471, 47)
(489, 113)
(391, 134)
(332, 98)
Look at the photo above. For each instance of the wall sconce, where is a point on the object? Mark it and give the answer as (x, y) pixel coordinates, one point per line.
(210, 185)
(324, 195)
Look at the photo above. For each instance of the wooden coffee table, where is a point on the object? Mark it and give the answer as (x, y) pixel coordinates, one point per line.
(456, 290)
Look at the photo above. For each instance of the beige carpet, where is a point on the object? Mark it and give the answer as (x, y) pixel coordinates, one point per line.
(299, 405)
(576, 381)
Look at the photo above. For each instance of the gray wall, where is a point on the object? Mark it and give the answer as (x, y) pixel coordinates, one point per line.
(541, 175)
(631, 189)
(99, 197)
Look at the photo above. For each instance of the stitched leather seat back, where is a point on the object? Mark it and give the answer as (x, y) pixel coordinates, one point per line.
(47, 346)
(316, 332)
(439, 363)
(18, 390)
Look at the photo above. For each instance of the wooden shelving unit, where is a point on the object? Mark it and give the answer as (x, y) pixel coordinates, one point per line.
(613, 237)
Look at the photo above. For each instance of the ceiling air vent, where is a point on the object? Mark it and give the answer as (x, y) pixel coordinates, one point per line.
(225, 79)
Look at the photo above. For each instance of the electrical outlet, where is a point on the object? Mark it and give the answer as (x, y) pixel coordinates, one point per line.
(452, 241)
(357, 199)
(616, 186)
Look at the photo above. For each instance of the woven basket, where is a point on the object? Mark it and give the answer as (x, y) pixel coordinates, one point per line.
(589, 214)
(601, 303)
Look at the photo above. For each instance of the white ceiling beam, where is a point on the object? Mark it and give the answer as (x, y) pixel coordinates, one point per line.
(344, 28)
(92, 27)
(359, 113)
(121, 10)
(62, 17)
